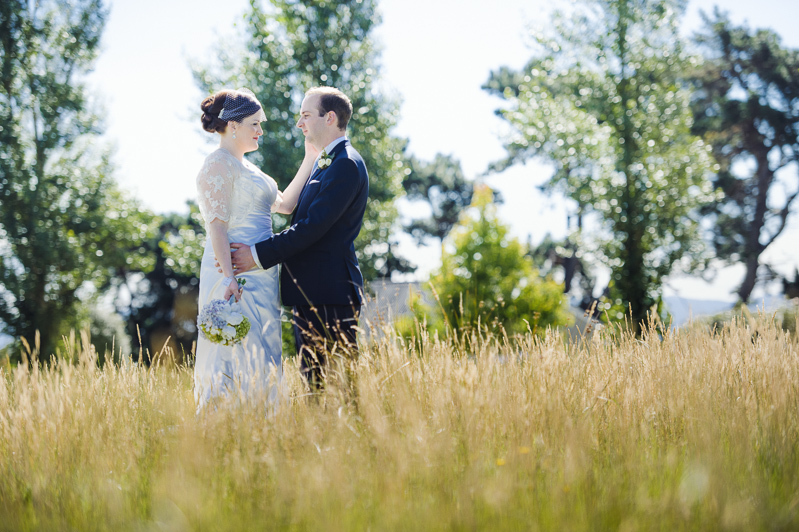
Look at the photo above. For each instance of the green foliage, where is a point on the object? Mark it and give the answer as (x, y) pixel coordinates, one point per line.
(106, 329)
(288, 344)
(64, 225)
(790, 319)
(291, 46)
(486, 277)
(182, 241)
(747, 108)
(161, 301)
(442, 185)
(568, 253)
(603, 101)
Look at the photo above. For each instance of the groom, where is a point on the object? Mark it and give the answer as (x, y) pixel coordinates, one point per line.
(320, 277)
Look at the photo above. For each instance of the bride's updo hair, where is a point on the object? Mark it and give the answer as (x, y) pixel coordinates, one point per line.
(211, 107)
(236, 106)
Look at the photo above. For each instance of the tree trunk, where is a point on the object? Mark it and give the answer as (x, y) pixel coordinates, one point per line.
(569, 269)
(750, 278)
(753, 248)
(632, 282)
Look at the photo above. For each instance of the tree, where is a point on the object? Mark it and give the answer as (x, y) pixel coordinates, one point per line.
(160, 303)
(293, 45)
(485, 275)
(441, 184)
(603, 101)
(747, 108)
(567, 254)
(64, 225)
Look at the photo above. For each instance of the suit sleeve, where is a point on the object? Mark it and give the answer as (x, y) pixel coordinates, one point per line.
(338, 189)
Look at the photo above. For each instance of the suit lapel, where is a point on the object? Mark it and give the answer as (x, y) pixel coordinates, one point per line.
(317, 172)
(338, 149)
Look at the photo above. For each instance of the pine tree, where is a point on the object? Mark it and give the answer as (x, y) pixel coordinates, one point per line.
(486, 276)
(747, 108)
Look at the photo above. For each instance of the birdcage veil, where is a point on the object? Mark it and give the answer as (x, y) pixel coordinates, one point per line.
(239, 104)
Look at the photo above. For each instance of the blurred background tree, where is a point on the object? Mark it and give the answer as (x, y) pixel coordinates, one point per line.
(566, 258)
(293, 45)
(441, 185)
(746, 106)
(486, 275)
(159, 305)
(603, 101)
(65, 228)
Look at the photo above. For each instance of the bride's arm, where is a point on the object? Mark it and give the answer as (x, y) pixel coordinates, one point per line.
(215, 198)
(292, 193)
(217, 232)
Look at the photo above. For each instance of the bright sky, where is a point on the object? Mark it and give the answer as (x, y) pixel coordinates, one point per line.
(436, 55)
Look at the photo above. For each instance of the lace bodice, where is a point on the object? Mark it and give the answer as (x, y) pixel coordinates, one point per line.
(234, 191)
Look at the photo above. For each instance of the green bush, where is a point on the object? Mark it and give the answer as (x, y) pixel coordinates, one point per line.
(486, 277)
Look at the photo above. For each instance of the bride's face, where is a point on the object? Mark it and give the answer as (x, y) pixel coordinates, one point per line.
(248, 133)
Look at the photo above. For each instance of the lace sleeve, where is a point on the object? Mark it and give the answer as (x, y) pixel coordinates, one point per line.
(215, 189)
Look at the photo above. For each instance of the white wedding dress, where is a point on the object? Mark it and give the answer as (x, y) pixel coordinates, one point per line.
(242, 195)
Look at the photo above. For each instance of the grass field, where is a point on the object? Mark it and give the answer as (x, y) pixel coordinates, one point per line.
(694, 430)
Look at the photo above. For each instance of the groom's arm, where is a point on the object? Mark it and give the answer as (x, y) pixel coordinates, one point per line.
(338, 189)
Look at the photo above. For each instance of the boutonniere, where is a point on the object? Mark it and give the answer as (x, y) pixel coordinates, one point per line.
(324, 160)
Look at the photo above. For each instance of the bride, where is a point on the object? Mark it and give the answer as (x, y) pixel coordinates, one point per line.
(236, 200)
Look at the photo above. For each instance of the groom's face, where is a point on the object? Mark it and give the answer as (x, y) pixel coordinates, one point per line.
(311, 124)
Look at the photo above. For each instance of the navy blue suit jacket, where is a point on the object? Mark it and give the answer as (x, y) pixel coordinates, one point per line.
(317, 250)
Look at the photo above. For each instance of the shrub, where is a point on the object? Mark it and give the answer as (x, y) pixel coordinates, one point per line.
(486, 276)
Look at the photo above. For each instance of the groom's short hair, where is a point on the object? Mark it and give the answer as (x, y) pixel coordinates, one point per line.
(331, 99)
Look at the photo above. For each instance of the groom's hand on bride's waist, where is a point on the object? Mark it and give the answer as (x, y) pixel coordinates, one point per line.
(242, 258)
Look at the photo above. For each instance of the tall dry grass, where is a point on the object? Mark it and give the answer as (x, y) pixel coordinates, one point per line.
(692, 430)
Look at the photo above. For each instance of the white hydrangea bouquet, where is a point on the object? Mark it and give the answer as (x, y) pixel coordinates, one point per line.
(222, 322)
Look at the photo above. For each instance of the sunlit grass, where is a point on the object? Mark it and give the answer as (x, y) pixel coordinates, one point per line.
(692, 430)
